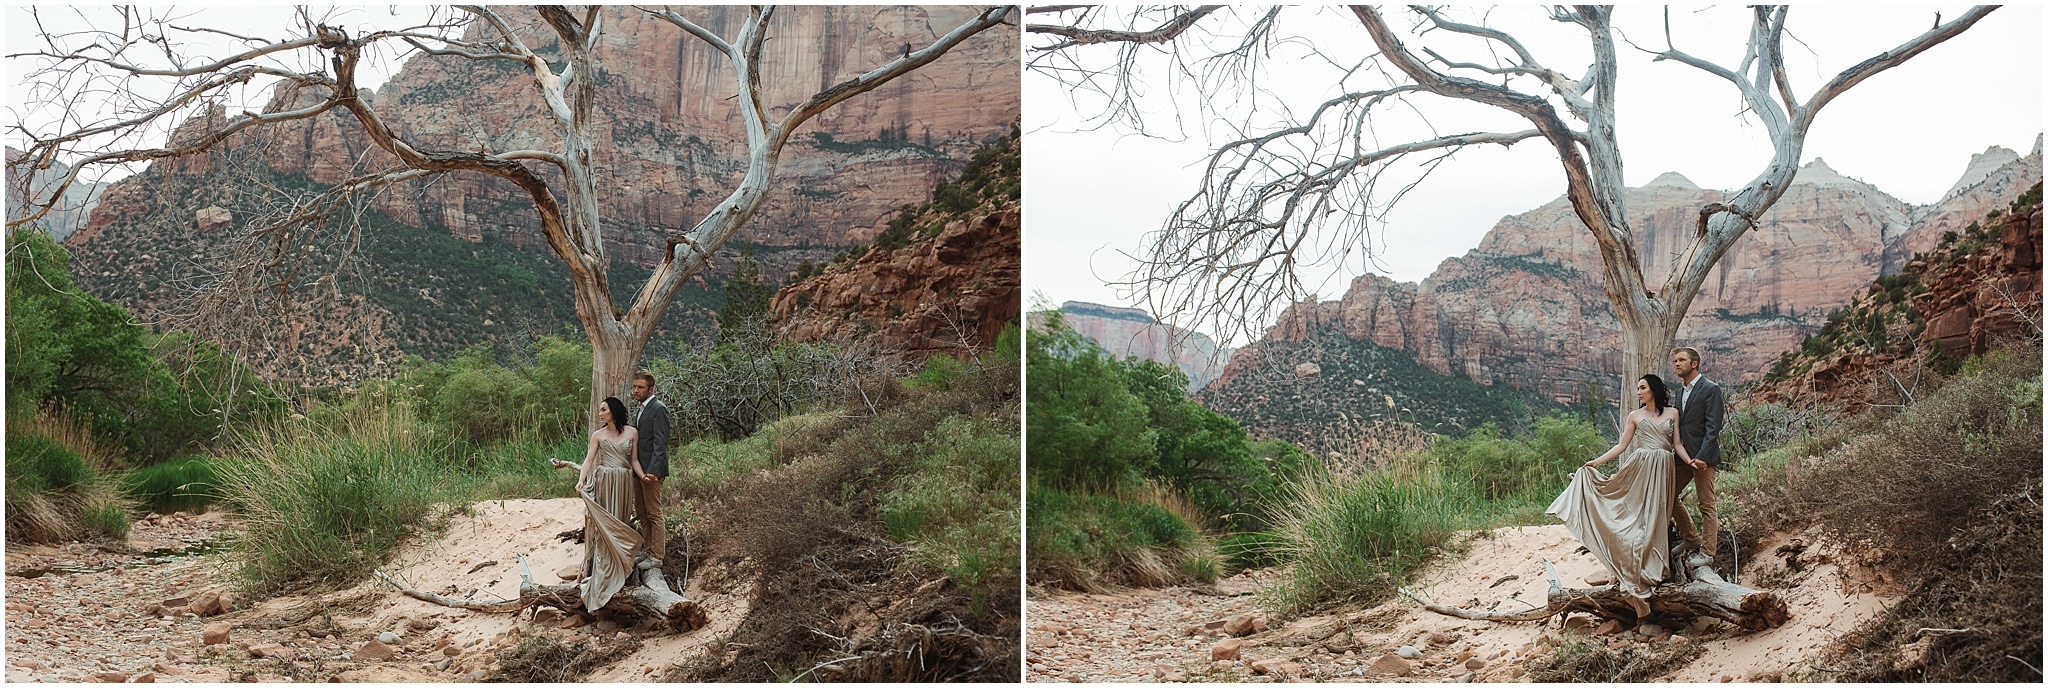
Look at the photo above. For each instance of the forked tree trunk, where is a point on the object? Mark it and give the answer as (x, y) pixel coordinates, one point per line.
(613, 359)
(1645, 347)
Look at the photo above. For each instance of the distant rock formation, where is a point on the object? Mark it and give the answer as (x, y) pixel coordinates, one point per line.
(71, 211)
(1131, 332)
(1974, 289)
(1526, 307)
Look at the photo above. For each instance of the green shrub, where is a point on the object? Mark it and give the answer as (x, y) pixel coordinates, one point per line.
(1359, 540)
(324, 504)
(939, 372)
(107, 516)
(1082, 540)
(182, 484)
(36, 463)
(1525, 472)
(1087, 429)
(958, 504)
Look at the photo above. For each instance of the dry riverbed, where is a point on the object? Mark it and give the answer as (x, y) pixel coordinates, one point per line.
(148, 612)
(1222, 634)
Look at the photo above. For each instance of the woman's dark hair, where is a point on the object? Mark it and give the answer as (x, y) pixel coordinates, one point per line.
(618, 409)
(1659, 394)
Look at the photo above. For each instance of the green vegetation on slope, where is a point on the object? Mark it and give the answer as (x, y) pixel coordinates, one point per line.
(1129, 478)
(1360, 383)
(883, 486)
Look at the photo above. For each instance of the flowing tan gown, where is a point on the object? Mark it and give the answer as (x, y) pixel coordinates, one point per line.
(1623, 519)
(609, 541)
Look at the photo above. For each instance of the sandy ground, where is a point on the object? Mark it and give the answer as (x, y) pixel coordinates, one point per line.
(48, 638)
(1152, 635)
(478, 558)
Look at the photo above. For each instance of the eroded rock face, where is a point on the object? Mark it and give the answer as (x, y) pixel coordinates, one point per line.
(963, 285)
(1131, 332)
(675, 144)
(1526, 308)
(1969, 300)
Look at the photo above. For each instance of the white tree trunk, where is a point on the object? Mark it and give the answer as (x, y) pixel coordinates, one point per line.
(1646, 343)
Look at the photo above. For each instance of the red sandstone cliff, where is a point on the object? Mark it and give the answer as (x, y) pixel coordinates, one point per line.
(1526, 307)
(677, 145)
(1964, 296)
(946, 276)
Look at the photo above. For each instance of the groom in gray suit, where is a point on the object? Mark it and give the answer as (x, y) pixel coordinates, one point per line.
(652, 423)
(1699, 426)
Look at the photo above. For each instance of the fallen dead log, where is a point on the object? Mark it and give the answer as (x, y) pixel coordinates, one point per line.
(652, 598)
(1702, 593)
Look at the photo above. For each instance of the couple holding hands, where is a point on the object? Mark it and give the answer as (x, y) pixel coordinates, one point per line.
(1670, 440)
(622, 470)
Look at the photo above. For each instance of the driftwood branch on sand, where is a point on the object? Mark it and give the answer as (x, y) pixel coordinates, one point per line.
(651, 598)
(1693, 591)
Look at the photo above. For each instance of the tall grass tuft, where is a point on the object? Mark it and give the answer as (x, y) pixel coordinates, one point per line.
(182, 484)
(325, 501)
(1088, 541)
(1357, 540)
(58, 485)
(957, 506)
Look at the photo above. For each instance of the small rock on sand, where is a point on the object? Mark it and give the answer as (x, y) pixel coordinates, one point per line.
(1391, 665)
(214, 633)
(375, 651)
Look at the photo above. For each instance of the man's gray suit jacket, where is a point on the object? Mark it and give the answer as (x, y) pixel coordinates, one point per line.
(653, 426)
(1699, 420)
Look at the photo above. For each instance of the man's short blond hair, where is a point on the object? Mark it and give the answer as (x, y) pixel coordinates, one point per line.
(1689, 352)
(649, 377)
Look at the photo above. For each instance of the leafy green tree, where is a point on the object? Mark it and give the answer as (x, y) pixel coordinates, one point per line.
(1085, 427)
(157, 395)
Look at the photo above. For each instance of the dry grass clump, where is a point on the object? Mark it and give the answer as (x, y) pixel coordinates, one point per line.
(1582, 662)
(540, 659)
(59, 482)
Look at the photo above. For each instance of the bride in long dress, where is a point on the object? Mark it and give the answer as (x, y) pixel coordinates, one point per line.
(1623, 519)
(605, 480)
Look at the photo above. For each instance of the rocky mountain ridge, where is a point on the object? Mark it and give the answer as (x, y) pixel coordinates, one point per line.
(675, 147)
(1526, 308)
(69, 213)
(1974, 290)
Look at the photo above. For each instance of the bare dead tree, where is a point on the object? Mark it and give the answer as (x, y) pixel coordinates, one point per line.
(1298, 183)
(318, 66)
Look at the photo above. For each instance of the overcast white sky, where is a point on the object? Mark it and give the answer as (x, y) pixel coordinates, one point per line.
(270, 22)
(1910, 131)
